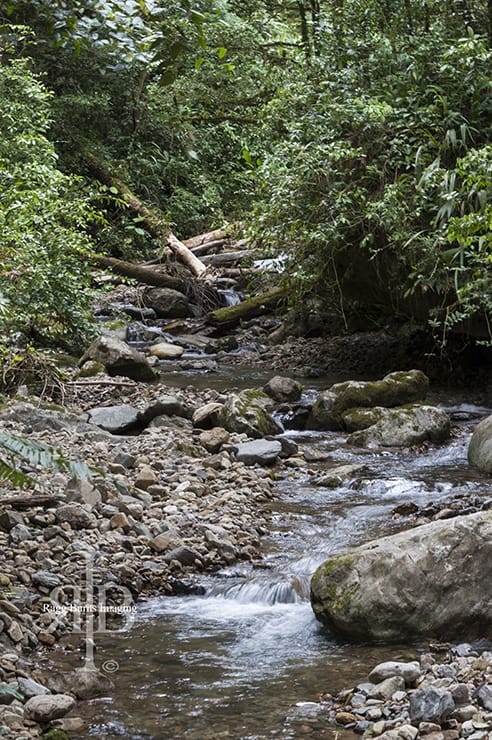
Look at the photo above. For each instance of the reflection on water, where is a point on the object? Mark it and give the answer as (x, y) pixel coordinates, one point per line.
(245, 660)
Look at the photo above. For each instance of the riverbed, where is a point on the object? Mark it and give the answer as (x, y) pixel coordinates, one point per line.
(247, 659)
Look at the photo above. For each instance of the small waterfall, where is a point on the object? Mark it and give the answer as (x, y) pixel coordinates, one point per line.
(284, 590)
(230, 297)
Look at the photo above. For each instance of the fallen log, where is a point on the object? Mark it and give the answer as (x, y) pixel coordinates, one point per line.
(211, 236)
(142, 274)
(151, 219)
(208, 247)
(226, 258)
(248, 309)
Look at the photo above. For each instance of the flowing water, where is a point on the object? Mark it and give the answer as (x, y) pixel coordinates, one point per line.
(247, 660)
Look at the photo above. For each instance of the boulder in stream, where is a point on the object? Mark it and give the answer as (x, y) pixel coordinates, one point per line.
(400, 427)
(395, 389)
(166, 302)
(480, 448)
(431, 581)
(283, 389)
(118, 358)
(247, 412)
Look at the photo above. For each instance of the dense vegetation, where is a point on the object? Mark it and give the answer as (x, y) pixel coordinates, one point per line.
(352, 136)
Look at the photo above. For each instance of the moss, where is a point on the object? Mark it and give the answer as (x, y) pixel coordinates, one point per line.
(361, 418)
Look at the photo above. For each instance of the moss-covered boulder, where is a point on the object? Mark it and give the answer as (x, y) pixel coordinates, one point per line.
(395, 389)
(400, 427)
(118, 358)
(480, 448)
(247, 412)
(431, 581)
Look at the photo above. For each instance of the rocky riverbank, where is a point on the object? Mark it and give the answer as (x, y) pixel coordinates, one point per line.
(173, 494)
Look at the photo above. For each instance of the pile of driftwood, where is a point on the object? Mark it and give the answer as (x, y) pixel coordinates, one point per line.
(200, 258)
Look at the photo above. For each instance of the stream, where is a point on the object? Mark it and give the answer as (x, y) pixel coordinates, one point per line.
(247, 660)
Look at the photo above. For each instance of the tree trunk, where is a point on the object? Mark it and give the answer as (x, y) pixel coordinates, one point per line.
(211, 236)
(142, 274)
(248, 309)
(152, 220)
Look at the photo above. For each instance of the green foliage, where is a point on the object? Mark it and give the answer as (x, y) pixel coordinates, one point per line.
(383, 162)
(21, 451)
(44, 248)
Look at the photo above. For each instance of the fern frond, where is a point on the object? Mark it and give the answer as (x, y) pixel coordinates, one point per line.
(37, 455)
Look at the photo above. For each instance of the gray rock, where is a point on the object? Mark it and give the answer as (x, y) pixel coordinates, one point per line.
(385, 689)
(394, 389)
(125, 459)
(484, 696)
(403, 427)
(46, 708)
(30, 688)
(246, 412)
(166, 302)
(410, 672)
(283, 389)
(118, 358)
(115, 419)
(165, 405)
(261, 452)
(76, 515)
(9, 519)
(86, 683)
(47, 579)
(480, 448)
(20, 533)
(430, 705)
(377, 591)
(207, 416)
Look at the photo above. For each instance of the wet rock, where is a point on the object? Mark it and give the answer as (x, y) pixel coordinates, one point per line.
(166, 302)
(404, 427)
(246, 412)
(394, 389)
(480, 447)
(87, 684)
(283, 389)
(118, 358)
(261, 452)
(115, 419)
(430, 705)
(46, 708)
(335, 477)
(376, 591)
(184, 555)
(386, 688)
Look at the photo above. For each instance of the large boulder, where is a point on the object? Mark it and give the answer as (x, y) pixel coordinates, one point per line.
(118, 358)
(480, 448)
(283, 389)
(260, 452)
(401, 427)
(247, 412)
(115, 419)
(166, 302)
(431, 581)
(395, 389)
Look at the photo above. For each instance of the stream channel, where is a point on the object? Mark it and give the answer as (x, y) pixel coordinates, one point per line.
(247, 659)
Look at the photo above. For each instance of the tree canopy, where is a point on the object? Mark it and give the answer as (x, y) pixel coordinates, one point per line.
(354, 137)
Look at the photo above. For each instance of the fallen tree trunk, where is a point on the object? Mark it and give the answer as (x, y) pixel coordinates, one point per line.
(226, 258)
(152, 220)
(202, 239)
(142, 274)
(248, 309)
